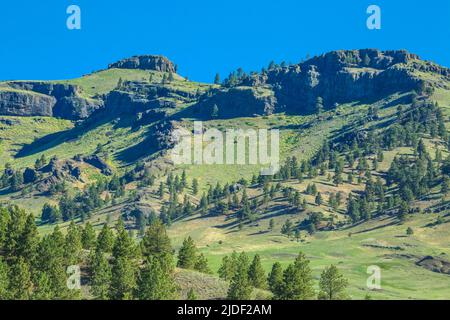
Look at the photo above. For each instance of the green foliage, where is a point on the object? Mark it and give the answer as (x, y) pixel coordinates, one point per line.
(332, 285)
(156, 280)
(256, 273)
(240, 286)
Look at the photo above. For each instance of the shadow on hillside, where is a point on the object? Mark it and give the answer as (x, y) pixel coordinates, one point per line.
(54, 139)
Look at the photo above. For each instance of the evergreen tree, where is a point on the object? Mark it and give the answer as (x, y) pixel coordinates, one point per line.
(256, 273)
(275, 279)
(217, 79)
(156, 243)
(332, 285)
(240, 286)
(124, 267)
(105, 239)
(42, 287)
(20, 285)
(228, 266)
(101, 275)
(88, 237)
(201, 264)
(195, 186)
(156, 281)
(297, 280)
(73, 245)
(187, 256)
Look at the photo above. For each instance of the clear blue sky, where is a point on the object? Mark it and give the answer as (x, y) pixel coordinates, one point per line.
(208, 36)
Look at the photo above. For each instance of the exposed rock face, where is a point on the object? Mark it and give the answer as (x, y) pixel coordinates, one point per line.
(46, 99)
(145, 62)
(135, 97)
(343, 76)
(99, 163)
(238, 102)
(21, 103)
(336, 77)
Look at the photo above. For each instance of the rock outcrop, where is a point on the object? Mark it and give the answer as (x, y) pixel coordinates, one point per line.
(23, 103)
(337, 77)
(237, 102)
(145, 62)
(45, 99)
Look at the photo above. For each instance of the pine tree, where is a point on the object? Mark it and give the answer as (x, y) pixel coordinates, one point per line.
(105, 239)
(73, 245)
(20, 285)
(195, 186)
(318, 199)
(124, 267)
(217, 79)
(256, 273)
(332, 285)
(42, 287)
(240, 286)
(187, 256)
(155, 281)
(161, 190)
(297, 280)
(201, 264)
(156, 243)
(123, 279)
(101, 275)
(50, 259)
(275, 279)
(88, 237)
(228, 267)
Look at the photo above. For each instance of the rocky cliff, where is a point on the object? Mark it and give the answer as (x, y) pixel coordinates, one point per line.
(337, 77)
(45, 99)
(145, 62)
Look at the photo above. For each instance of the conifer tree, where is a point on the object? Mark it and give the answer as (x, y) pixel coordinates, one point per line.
(201, 264)
(73, 245)
(256, 273)
(195, 186)
(42, 287)
(101, 275)
(240, 286)
(187, 256)
(156, 243)
(20, 285)
(156, 281)
(332, 284)
(88, 237)
(105, 239)
(297, 280)
(275, 279)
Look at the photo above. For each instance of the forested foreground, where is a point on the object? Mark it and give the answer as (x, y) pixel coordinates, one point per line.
(113, 266)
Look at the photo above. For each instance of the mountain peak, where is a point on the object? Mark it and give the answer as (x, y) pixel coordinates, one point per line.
(145, 62)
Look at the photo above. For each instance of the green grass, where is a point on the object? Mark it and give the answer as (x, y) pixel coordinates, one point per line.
(401, 278)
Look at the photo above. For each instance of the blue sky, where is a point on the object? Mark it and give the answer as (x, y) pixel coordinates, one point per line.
(208, 36)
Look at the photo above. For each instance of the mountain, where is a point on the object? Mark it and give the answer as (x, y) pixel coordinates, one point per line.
(364, 149)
